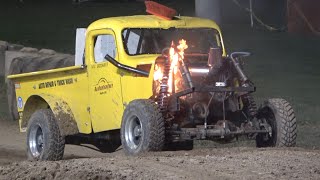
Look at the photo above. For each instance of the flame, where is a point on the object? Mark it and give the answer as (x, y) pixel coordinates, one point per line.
(181, 47)
(157, 76)
(176, 54)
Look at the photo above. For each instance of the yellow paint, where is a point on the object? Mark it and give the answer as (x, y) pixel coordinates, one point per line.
(59, 86)
(105, 96)
(99, 92)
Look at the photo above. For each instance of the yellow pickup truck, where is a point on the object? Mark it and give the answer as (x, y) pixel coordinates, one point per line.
(148, 84)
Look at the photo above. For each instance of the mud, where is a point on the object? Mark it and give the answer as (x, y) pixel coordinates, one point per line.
(200, 163)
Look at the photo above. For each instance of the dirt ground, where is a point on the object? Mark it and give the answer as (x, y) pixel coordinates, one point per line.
(200, 163)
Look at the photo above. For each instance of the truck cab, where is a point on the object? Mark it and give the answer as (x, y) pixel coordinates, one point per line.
(134, 41)
(90, 97)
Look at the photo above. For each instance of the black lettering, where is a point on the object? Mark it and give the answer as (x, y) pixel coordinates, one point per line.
(49, 84)
(41, 85)
(60, 82)
(69, 81)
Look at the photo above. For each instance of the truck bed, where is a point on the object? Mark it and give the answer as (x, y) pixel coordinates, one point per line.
(28, 64)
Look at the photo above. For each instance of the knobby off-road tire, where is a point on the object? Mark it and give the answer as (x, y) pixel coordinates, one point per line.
(142, 127)
(280, 116)
(44, 140)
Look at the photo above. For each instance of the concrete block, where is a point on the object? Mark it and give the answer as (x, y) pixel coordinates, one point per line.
(29, 50)
(15, 47)
(10, 55)
(2, 62)
(47, 52)
(3, 45)
(3, 48)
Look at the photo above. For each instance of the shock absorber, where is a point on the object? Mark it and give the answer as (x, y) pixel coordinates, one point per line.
(162, 99)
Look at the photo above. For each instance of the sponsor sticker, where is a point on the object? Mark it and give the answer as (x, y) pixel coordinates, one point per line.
(20, 102)
(17, 85)
(102, 86)
(59, 82)
(220, 84)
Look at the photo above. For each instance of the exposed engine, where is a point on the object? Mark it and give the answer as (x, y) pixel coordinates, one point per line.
(187, 76)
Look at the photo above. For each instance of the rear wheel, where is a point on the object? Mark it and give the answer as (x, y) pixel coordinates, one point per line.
(280, 116)
(44, 140)
(142, 127)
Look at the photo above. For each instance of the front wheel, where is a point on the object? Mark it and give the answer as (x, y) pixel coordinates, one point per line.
(44, 140)
(142, 127)
(279, 115)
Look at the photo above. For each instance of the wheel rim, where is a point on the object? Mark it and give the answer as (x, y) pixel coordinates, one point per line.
(36, 141)
(133, 132)
(271, 120)
(269, 117)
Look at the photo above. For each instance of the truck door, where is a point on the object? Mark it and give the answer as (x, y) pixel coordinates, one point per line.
(106, 106)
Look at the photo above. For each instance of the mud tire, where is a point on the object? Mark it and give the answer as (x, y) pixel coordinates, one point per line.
(280, 116)
(146, 116)
(53, 143)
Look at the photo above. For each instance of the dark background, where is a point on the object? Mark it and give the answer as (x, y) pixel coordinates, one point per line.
(283, 64)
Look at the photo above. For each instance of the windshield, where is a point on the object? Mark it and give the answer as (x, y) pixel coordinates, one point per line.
(153, 41)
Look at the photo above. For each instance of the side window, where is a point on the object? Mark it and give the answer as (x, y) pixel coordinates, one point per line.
(104, 44)
(132, 41)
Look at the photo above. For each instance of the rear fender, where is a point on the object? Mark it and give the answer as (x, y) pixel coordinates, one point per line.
(62, 112)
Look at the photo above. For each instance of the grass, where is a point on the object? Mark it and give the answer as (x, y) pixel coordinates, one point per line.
(282, 65)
